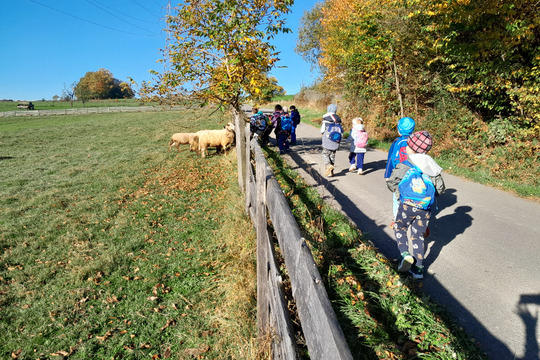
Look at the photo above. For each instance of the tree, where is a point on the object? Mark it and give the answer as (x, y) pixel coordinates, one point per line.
(68, 93)
(102, 85)
(309, 34)
(219, 52)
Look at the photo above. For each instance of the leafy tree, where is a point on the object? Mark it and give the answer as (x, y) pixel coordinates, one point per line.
(309, 35)
(272, 90)
(102, 85)
(219, 52)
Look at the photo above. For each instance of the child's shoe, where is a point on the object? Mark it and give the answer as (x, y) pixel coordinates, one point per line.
(360, 171)
(352, 168)
(329, 170)
(406, 262)
(417, 272)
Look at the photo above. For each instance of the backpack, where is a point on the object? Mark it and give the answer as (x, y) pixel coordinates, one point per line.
(416, 189)
(295, 116)
(334, 132)
(257, 123)
(360, 138)
(286, 123)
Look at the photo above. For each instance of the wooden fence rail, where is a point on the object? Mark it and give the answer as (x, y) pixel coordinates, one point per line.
(323, 335)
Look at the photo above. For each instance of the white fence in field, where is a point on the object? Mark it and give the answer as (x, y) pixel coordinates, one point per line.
(91, 110)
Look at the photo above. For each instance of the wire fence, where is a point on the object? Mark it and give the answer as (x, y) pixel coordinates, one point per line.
(92, 110)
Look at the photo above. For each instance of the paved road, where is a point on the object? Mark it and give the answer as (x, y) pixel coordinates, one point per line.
(482, 257)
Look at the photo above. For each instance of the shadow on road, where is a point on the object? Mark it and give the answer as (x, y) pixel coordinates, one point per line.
(529, 316)
(448, 227)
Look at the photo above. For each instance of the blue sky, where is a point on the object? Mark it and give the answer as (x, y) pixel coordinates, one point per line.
(46, 44)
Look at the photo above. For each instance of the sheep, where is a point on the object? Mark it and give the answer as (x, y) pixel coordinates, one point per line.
(216, 138)
(183, 138)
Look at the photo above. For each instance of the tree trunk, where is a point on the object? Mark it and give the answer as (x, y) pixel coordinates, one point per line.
(398, 90)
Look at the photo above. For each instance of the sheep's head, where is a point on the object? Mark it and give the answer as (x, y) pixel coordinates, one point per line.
(229, 127)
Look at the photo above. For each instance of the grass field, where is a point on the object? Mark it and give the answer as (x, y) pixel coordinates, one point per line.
(57, 105)
(112, 247)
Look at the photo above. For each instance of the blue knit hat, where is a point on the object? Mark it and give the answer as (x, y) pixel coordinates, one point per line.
(406, 126)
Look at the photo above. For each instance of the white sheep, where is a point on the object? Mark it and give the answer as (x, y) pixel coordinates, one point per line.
(220, 139)
(183, 138)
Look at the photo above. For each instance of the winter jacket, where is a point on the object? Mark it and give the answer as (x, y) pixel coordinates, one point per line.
(394, 156)
(426, 164)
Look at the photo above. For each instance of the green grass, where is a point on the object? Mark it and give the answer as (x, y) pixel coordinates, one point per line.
(112, 247)
(57, 105)
(381, 312)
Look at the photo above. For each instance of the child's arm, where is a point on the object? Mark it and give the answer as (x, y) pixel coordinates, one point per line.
(397, 175)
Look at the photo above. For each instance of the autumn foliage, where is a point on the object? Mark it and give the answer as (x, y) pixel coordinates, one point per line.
(219, 51)
(466, 71)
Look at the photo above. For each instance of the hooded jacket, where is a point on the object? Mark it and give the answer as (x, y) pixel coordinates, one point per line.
(426, 164)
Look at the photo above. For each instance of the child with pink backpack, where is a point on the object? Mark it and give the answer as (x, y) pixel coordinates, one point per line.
(358, 139)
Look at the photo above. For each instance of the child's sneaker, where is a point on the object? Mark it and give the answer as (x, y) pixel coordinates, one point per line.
(329, 170)
(417, 272)
(352, 168)
(406, 262)
(360, 171)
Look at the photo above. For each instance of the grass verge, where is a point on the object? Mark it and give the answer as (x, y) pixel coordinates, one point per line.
(382, 313)
(112, 247)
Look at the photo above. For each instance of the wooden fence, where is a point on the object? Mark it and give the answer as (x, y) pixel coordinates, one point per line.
(323, 335)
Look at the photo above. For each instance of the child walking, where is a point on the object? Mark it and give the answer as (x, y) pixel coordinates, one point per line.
(331, 132)
(358, 139)
(296, 118)
(418, 181)
(397, 153)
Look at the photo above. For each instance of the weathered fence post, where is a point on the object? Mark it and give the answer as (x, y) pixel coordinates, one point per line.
(240, 147)
(262, 247)
(247, 171)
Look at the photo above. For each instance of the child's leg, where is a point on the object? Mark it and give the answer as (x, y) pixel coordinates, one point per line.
(351, 157)
(418, 228)
(360, 160)
(403, 220)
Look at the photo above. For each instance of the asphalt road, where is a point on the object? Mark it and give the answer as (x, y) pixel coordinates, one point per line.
(482, 257)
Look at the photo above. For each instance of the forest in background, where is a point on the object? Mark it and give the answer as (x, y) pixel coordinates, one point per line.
(468, 72)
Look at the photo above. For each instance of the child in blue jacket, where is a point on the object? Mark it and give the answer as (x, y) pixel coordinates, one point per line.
(397, 153)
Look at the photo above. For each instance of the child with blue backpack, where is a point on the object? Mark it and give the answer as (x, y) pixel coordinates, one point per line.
(284, 125)
(397, 153)
(331, 131)
(418, 181)
(296, 118)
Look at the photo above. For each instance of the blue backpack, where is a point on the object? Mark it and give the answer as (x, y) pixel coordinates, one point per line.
(334, 132)
(416, 189)
(257, 123)
(286, 123)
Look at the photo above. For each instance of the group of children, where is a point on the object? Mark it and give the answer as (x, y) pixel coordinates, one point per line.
(411, 174)
(283, 122)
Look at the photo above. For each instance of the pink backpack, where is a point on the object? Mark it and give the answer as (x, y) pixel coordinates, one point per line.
(361, 138)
